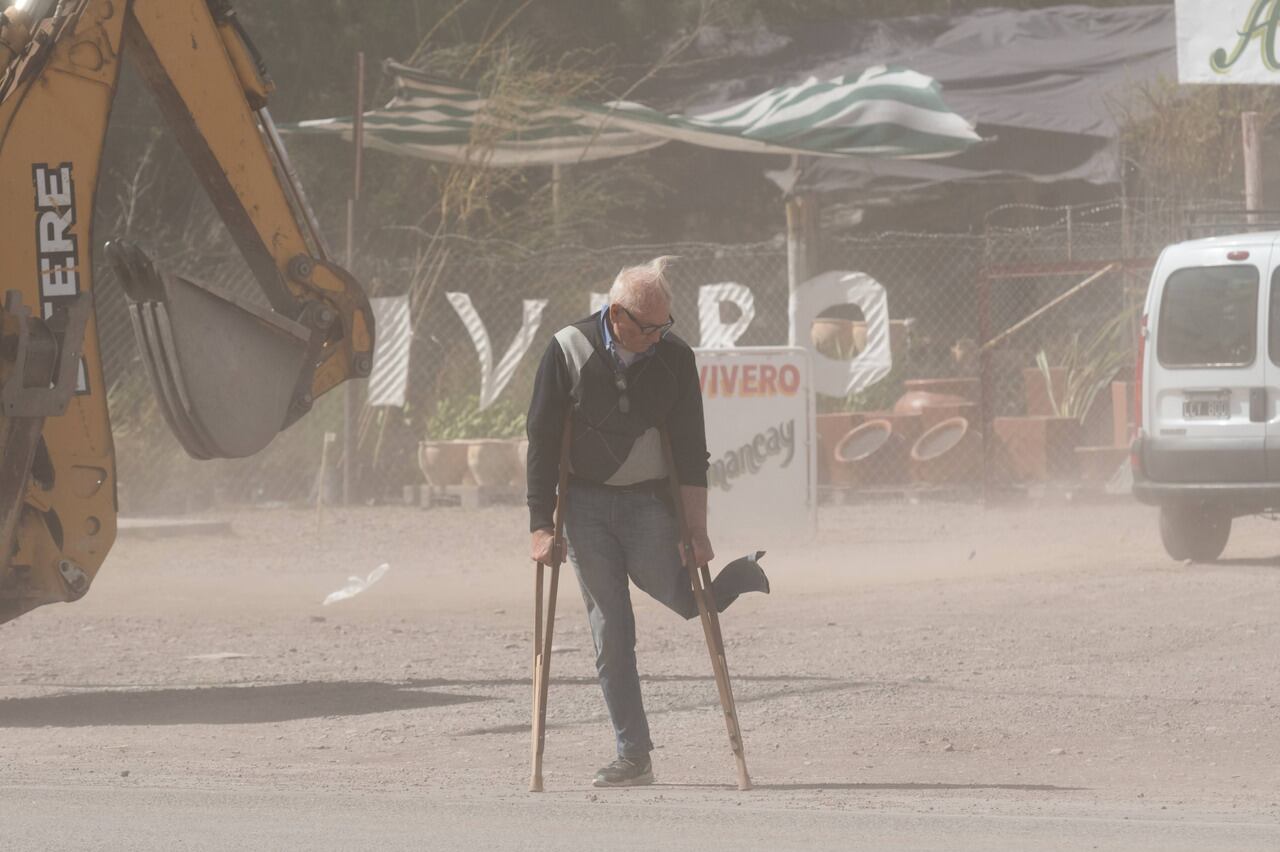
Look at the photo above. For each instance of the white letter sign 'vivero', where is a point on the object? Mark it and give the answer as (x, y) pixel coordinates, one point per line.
(716, 333)
(493, 381)
(831, 376)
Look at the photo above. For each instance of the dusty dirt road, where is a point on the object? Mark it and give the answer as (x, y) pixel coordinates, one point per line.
(930, 676)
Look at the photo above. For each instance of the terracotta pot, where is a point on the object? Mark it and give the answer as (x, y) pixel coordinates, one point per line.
(492, 461)
(859, 335)
(443, 462)
(916, 401)
(968, 388)
(932, 415)
(830, 429)
(1036, 392)
(908, 427)
(870, 453)
(834, 337)
(950, 452)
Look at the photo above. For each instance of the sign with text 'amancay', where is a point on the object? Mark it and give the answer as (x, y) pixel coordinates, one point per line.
(1228, 41)
(758, 404)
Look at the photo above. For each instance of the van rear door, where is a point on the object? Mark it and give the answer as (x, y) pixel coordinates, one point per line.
(1272, 367)
(1206, 379)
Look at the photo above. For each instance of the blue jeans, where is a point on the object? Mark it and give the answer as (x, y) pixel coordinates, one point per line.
(614, 535)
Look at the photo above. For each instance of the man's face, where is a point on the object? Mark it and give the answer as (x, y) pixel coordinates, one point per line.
(627, 324)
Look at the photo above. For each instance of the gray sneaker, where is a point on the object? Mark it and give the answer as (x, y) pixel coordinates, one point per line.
(626, 772)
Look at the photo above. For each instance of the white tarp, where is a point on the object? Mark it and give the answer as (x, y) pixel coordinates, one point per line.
(1228, 41)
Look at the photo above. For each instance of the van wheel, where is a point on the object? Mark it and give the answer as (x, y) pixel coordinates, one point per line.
(1194, 533)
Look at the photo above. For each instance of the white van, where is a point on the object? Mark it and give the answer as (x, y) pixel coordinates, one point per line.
(1207, 445)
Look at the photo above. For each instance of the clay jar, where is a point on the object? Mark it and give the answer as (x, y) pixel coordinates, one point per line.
(833, 337)
(442, 462)
(831, 428)
(969, 388)
(871, 452)
(949, 453)
(492, 461)
(916, 401)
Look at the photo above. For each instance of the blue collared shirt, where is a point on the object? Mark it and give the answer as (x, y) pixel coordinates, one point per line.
(612, 345)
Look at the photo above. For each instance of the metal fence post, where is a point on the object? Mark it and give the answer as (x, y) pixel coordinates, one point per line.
(984, 378)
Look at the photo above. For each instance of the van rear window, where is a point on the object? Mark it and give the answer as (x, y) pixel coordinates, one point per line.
(1209, 317)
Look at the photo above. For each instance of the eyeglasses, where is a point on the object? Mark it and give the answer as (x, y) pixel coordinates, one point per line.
(647, 329)
(620, 382)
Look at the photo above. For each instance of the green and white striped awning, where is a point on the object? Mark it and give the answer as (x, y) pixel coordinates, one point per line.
(884, 112)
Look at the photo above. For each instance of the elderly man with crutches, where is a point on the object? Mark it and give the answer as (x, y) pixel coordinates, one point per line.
(619, 396)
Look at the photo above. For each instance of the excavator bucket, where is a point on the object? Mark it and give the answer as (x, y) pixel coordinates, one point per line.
(229, 374)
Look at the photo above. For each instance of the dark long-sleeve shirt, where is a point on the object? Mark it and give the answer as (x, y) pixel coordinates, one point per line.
(608, 446)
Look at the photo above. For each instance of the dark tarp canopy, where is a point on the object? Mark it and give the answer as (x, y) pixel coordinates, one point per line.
(1041, 85)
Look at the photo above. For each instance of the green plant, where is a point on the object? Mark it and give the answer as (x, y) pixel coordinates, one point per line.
(456, 419)
(1090, 365)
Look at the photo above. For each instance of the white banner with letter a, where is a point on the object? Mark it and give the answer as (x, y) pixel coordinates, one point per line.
(1228, 41)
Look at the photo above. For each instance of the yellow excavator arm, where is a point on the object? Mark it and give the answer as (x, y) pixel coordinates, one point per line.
(229, 373)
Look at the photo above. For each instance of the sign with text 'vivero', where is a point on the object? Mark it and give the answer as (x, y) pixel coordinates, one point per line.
(758, 403)
(1228, 41)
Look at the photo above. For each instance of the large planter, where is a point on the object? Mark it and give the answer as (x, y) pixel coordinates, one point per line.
(932, 415)
(934, 406)
(949, 453)
(1035, 391)
(970, 389)
(443, 462)
(1037, 449)
(1098, 424)
(871, 453)
(908, 427)
(830, 429)
(492, 461)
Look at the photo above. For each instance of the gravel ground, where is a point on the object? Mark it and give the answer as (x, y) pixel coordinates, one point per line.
(924, 676)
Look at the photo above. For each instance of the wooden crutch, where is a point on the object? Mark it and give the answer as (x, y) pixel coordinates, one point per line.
(541, 642)
(700, 580)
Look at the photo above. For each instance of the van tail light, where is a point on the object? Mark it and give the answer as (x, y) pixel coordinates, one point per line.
(1135, 430)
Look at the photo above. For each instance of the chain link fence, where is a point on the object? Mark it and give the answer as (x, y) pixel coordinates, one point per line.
(1012, 351)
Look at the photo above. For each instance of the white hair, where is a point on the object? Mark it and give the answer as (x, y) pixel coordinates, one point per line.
(636, 286)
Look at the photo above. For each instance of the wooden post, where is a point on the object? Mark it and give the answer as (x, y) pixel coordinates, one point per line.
(348, 395)
(1251, 135)
(986, 399)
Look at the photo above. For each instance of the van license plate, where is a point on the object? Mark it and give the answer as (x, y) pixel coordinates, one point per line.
(1217, 408)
